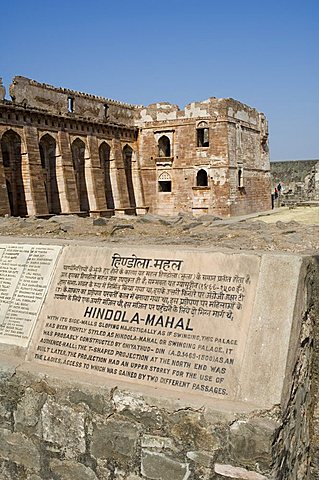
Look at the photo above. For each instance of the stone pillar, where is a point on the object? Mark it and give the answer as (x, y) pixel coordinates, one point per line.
(65, 176)
(4, 200)
(141, 209)
(94, 177)
(32, 174)
(118, 178)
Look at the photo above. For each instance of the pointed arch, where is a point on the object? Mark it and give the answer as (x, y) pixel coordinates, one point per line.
(78, 158)
(48, 154)
(127, 158)
(12, 163)
(201, 178)
(164, 146)
(104, 154)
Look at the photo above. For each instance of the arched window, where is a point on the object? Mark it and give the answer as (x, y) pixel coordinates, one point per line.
(164, 147)
(47, 147)
(104, 153)
(127, 158)
(202, 134)
(201, 178)
(12, 162)
(78, 158)
(164, 182)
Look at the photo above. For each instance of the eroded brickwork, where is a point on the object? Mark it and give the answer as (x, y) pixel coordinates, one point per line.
(68, 152)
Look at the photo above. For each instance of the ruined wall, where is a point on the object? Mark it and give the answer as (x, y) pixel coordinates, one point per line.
(220, 138)
(30, 93)
(237, 139)
(30, 130)
(299, 179)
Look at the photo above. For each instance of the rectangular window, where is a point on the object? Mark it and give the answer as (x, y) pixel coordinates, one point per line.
(202, 137)
(70, 104)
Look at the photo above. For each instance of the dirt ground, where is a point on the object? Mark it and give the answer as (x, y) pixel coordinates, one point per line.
(282, 229)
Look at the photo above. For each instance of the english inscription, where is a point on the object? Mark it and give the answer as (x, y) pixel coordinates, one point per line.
(171, 321)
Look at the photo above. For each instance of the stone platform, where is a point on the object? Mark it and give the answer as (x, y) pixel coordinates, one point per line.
(131, 363)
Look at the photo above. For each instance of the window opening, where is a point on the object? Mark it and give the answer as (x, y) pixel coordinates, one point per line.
(70, 104)
(201, 178)
(240, 176)
(202, 135)
(164, 182)
(164, 147)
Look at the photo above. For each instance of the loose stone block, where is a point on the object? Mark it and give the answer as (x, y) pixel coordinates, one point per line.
(237, 473)
(20, 449)
(70, 470)
(116, 440)
(251, 442)
(157, 466)
(64, 427)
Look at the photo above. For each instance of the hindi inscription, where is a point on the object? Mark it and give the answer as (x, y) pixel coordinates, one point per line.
(175, 320)
(25, 272)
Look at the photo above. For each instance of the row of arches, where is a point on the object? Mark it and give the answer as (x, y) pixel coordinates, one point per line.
(14, 163)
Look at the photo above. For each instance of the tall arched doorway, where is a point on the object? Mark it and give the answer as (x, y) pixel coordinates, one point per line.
(78, 158)
(104, 153)
(127, 157)
(47, 147)
(12, 163)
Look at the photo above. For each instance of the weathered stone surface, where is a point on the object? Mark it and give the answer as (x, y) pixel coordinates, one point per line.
(70, 470)
(20, 449)
(96, 402)
(99, 222)
(157, 442)
(157, 466)
(28, 409)
(251, 442)
(131, 171)
(116, 441)
(189, 428)
(237, 473)
(134, 406)
(64, 427)
(201, 457)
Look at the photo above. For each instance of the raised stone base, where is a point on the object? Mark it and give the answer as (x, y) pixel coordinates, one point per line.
(156, 364)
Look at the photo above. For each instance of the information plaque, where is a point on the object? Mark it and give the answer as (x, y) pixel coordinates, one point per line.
(160, 317)
(25, 273)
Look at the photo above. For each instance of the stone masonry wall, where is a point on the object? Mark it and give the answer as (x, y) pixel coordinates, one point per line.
(235, 159)
(54, 427)
(238, 137)
(299, 179)
(30, 93)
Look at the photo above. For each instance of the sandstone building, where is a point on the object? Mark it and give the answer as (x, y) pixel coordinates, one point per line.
(67, 152)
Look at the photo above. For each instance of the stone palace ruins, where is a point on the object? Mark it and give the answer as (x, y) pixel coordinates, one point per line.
(66, 152)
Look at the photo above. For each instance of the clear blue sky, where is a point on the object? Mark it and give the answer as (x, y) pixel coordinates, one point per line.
(263, 53)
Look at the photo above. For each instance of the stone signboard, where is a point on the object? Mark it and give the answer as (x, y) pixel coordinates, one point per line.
(25, 273)
(171, 319)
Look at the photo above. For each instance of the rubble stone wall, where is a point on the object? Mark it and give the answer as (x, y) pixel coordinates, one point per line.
(299, 179)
